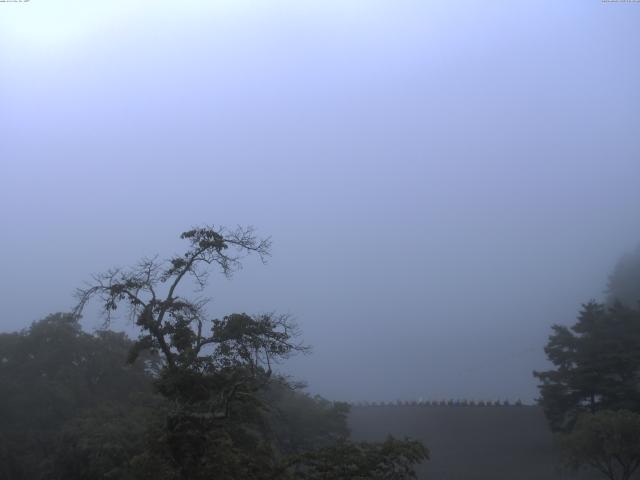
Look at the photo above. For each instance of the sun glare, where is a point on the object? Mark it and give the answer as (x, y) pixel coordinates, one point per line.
(49, 26)
(66, 24)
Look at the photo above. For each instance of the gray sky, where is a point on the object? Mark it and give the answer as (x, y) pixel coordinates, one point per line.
(442, 180)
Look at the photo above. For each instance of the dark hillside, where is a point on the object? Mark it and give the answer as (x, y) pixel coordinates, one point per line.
(469, 443)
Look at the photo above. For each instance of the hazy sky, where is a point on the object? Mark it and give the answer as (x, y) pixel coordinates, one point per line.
(442, 180)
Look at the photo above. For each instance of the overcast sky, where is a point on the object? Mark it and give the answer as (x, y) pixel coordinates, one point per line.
(443, 180)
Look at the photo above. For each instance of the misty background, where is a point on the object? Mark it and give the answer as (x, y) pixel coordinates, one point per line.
(443, 181)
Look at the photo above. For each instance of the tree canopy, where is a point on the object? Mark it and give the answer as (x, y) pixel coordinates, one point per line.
(597, 365)
(592, 396)
(608, 441)
(56, 381)
(216, 375)
(624, 282)
(193, 397)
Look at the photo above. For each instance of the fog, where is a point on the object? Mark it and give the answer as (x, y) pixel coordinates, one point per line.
(442, 181)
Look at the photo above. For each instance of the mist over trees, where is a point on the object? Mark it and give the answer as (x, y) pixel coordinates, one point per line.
(451, 187)
(607, 441)
(191, 398)
(195, 397)
(69, 404)
(592, 395)
(597, 362)
(198, 397)
(624, 281)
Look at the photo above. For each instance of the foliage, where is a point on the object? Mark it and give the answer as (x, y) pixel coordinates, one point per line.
(597, 365)
(116, 428)
(101, 443)
(345, 460)
(217, 376)
(608, 441)
(54, 373)
(624, 281)
(300, 422)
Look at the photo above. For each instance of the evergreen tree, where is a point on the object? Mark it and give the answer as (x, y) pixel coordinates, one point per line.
(624, 281)
(597, 365)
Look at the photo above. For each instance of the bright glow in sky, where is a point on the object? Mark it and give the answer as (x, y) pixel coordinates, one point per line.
(52, 25)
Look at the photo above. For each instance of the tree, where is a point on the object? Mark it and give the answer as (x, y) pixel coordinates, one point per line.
(597, 365)
(389, 460)
(102, 442)
(171, 324)
(624, 282)
(71, 409)
(213, 369)
(53, 374)
(215, 373)
(607, 441)
(301, 423)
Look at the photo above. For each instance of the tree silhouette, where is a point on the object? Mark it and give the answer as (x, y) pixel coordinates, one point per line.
(216, 375)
